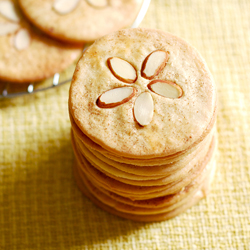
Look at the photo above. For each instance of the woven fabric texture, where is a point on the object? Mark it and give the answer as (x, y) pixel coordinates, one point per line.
(40, 205)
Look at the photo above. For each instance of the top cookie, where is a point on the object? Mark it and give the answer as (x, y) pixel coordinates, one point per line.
(80, 21)
(26, 55)
(143, 93)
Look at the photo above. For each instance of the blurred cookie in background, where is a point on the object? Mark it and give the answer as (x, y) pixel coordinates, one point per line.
(79, 21)
(27, 55)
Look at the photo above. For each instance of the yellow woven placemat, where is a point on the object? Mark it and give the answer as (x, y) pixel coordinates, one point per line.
(40, 205)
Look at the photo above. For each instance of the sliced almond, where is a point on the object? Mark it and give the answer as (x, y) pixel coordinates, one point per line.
(8, 28)
(22, 39)
(8, 10)
(144, 108)
(98, 3)
(115, 97)
(166, 88)
(64, 7)
(154, 63)
(122, 69)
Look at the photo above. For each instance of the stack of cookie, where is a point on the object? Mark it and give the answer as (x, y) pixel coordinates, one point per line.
(41, 38)
(142, 105)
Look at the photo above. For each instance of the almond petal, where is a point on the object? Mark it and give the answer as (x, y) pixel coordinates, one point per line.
(122, 69)
(8, 28)
(115, 97)
(22, 39)
(65, 6)
(98, 3)
(8, 10)
(166, 88)
(154, 63)
(144, 109)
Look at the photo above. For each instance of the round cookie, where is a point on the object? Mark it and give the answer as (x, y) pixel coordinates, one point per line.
(25, 54)
(80, 21)
(150, 59)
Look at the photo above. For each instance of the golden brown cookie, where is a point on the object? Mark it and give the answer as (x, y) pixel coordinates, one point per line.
(80, 21)
(176, 124)
(25, 54)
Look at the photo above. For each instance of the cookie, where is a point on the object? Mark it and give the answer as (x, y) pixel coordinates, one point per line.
(142, 106)
(176, 124)
(79, 21)
(26, 55)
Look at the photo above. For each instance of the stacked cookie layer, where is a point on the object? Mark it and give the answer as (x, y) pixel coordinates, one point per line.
(143, 124)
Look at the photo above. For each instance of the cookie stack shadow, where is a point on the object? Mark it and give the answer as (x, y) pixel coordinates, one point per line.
(151, 189)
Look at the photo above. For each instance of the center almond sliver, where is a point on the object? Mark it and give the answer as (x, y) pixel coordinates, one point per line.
(154, 63)
(144, 108)
(165, 88)
(122, 69)
(115, 97)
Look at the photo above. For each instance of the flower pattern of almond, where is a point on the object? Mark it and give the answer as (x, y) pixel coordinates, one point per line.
(125, 72)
